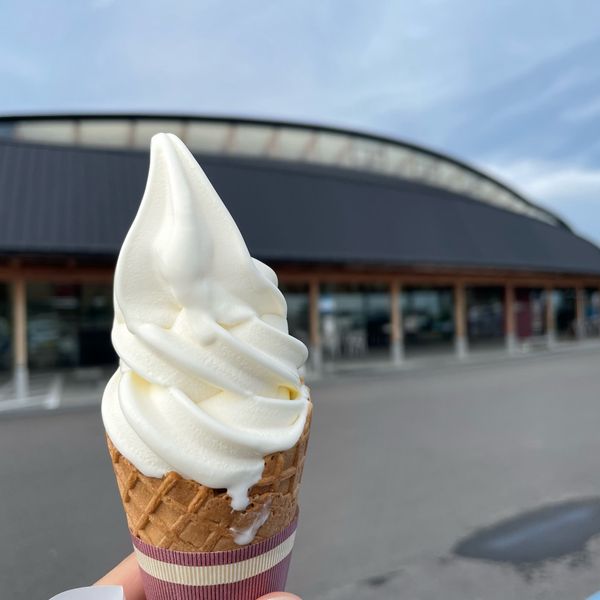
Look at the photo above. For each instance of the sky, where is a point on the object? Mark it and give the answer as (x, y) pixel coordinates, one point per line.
(509, 86)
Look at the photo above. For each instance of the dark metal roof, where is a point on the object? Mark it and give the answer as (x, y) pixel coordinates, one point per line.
(74, 201)
(7, 120)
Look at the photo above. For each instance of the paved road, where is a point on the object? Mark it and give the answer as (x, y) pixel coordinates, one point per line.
(401, 467)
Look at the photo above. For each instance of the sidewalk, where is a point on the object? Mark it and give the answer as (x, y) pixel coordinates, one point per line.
(81, 388)
(439, 360)
(56, 390)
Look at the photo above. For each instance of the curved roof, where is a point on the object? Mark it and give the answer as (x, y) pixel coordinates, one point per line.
(58, 200)
(291, 142)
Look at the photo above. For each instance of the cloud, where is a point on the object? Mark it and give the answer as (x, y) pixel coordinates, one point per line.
(386, 65)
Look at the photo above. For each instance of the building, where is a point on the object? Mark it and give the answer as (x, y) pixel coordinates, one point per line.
(382, 248)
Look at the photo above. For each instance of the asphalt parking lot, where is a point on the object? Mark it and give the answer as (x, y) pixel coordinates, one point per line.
(403, 466)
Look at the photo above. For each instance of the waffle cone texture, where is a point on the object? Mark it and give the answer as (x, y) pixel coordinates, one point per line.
(180, 514)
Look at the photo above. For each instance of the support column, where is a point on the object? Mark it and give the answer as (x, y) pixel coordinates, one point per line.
(461, 345)
(580, 312)
(316, 351)
(397, 330)
(509, 318)
(550, 318)
(19, 334)
(596, 311)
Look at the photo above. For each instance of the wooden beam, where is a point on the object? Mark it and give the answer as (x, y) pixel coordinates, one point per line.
(294, 274)
(309, 147)
(19, 335)
(580, 312)
(509, 318)
(230, 138)
(58, 274)
(271, 143)
(19, 311)
(597, 310)
(396, 328)
(185, 131)
(315, 325)
(460, 320)
(131, 127)
(550, 317)
(431, 276)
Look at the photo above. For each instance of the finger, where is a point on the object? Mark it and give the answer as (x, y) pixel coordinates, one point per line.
(280, 596)
(127, 574)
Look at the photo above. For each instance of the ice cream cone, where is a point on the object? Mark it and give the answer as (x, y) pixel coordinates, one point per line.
(209, 386)
(180, 514)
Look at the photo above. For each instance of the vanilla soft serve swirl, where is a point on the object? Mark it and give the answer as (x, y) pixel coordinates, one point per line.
(208, 379)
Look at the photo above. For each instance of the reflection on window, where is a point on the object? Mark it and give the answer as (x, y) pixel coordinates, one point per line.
(530, 313)
(564, 300)
(355, 320)
(592, 312)
(5, 328)
(485, 313)
(68, 325)
(296, 297)
(427, 316)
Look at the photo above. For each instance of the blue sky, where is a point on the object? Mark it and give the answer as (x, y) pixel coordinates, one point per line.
(511, 86)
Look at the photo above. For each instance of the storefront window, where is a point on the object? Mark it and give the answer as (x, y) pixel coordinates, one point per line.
(564, 300)
(427, 316)
(530, 313)
(592, 312)
(355, 320)
(68, 325)
(485, 314)
(5, 328)
(296, 297)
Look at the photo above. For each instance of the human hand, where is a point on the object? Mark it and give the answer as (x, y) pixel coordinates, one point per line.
(127, 575)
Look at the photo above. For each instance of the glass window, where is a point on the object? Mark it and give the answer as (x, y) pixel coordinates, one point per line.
(399, 161)
(105, 133)
(355, 321)
(251, 139)
(207, 137)
(68, 325)
(5, 328)
(7, 130)
(144, 129)
(330, 148)
(485, 314)
(293, 143)
(362, 154)
(530, 313)
(296, 297)
(564, 311)
(592, 312)
(427, 318)
(59, 132)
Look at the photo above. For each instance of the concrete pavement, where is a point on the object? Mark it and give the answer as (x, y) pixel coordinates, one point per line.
(402, 466)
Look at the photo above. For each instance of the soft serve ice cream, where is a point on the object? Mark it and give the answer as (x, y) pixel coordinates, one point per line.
(208, 381)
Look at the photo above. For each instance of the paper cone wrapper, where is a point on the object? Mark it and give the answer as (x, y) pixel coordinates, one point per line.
(242, 574)
(184, 533)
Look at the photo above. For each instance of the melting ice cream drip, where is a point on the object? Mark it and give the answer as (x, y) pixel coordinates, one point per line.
(246, 535)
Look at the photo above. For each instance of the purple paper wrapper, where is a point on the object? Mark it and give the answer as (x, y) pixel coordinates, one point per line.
(242, 574)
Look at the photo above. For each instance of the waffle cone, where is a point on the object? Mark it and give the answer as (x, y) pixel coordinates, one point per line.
(180, 514)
